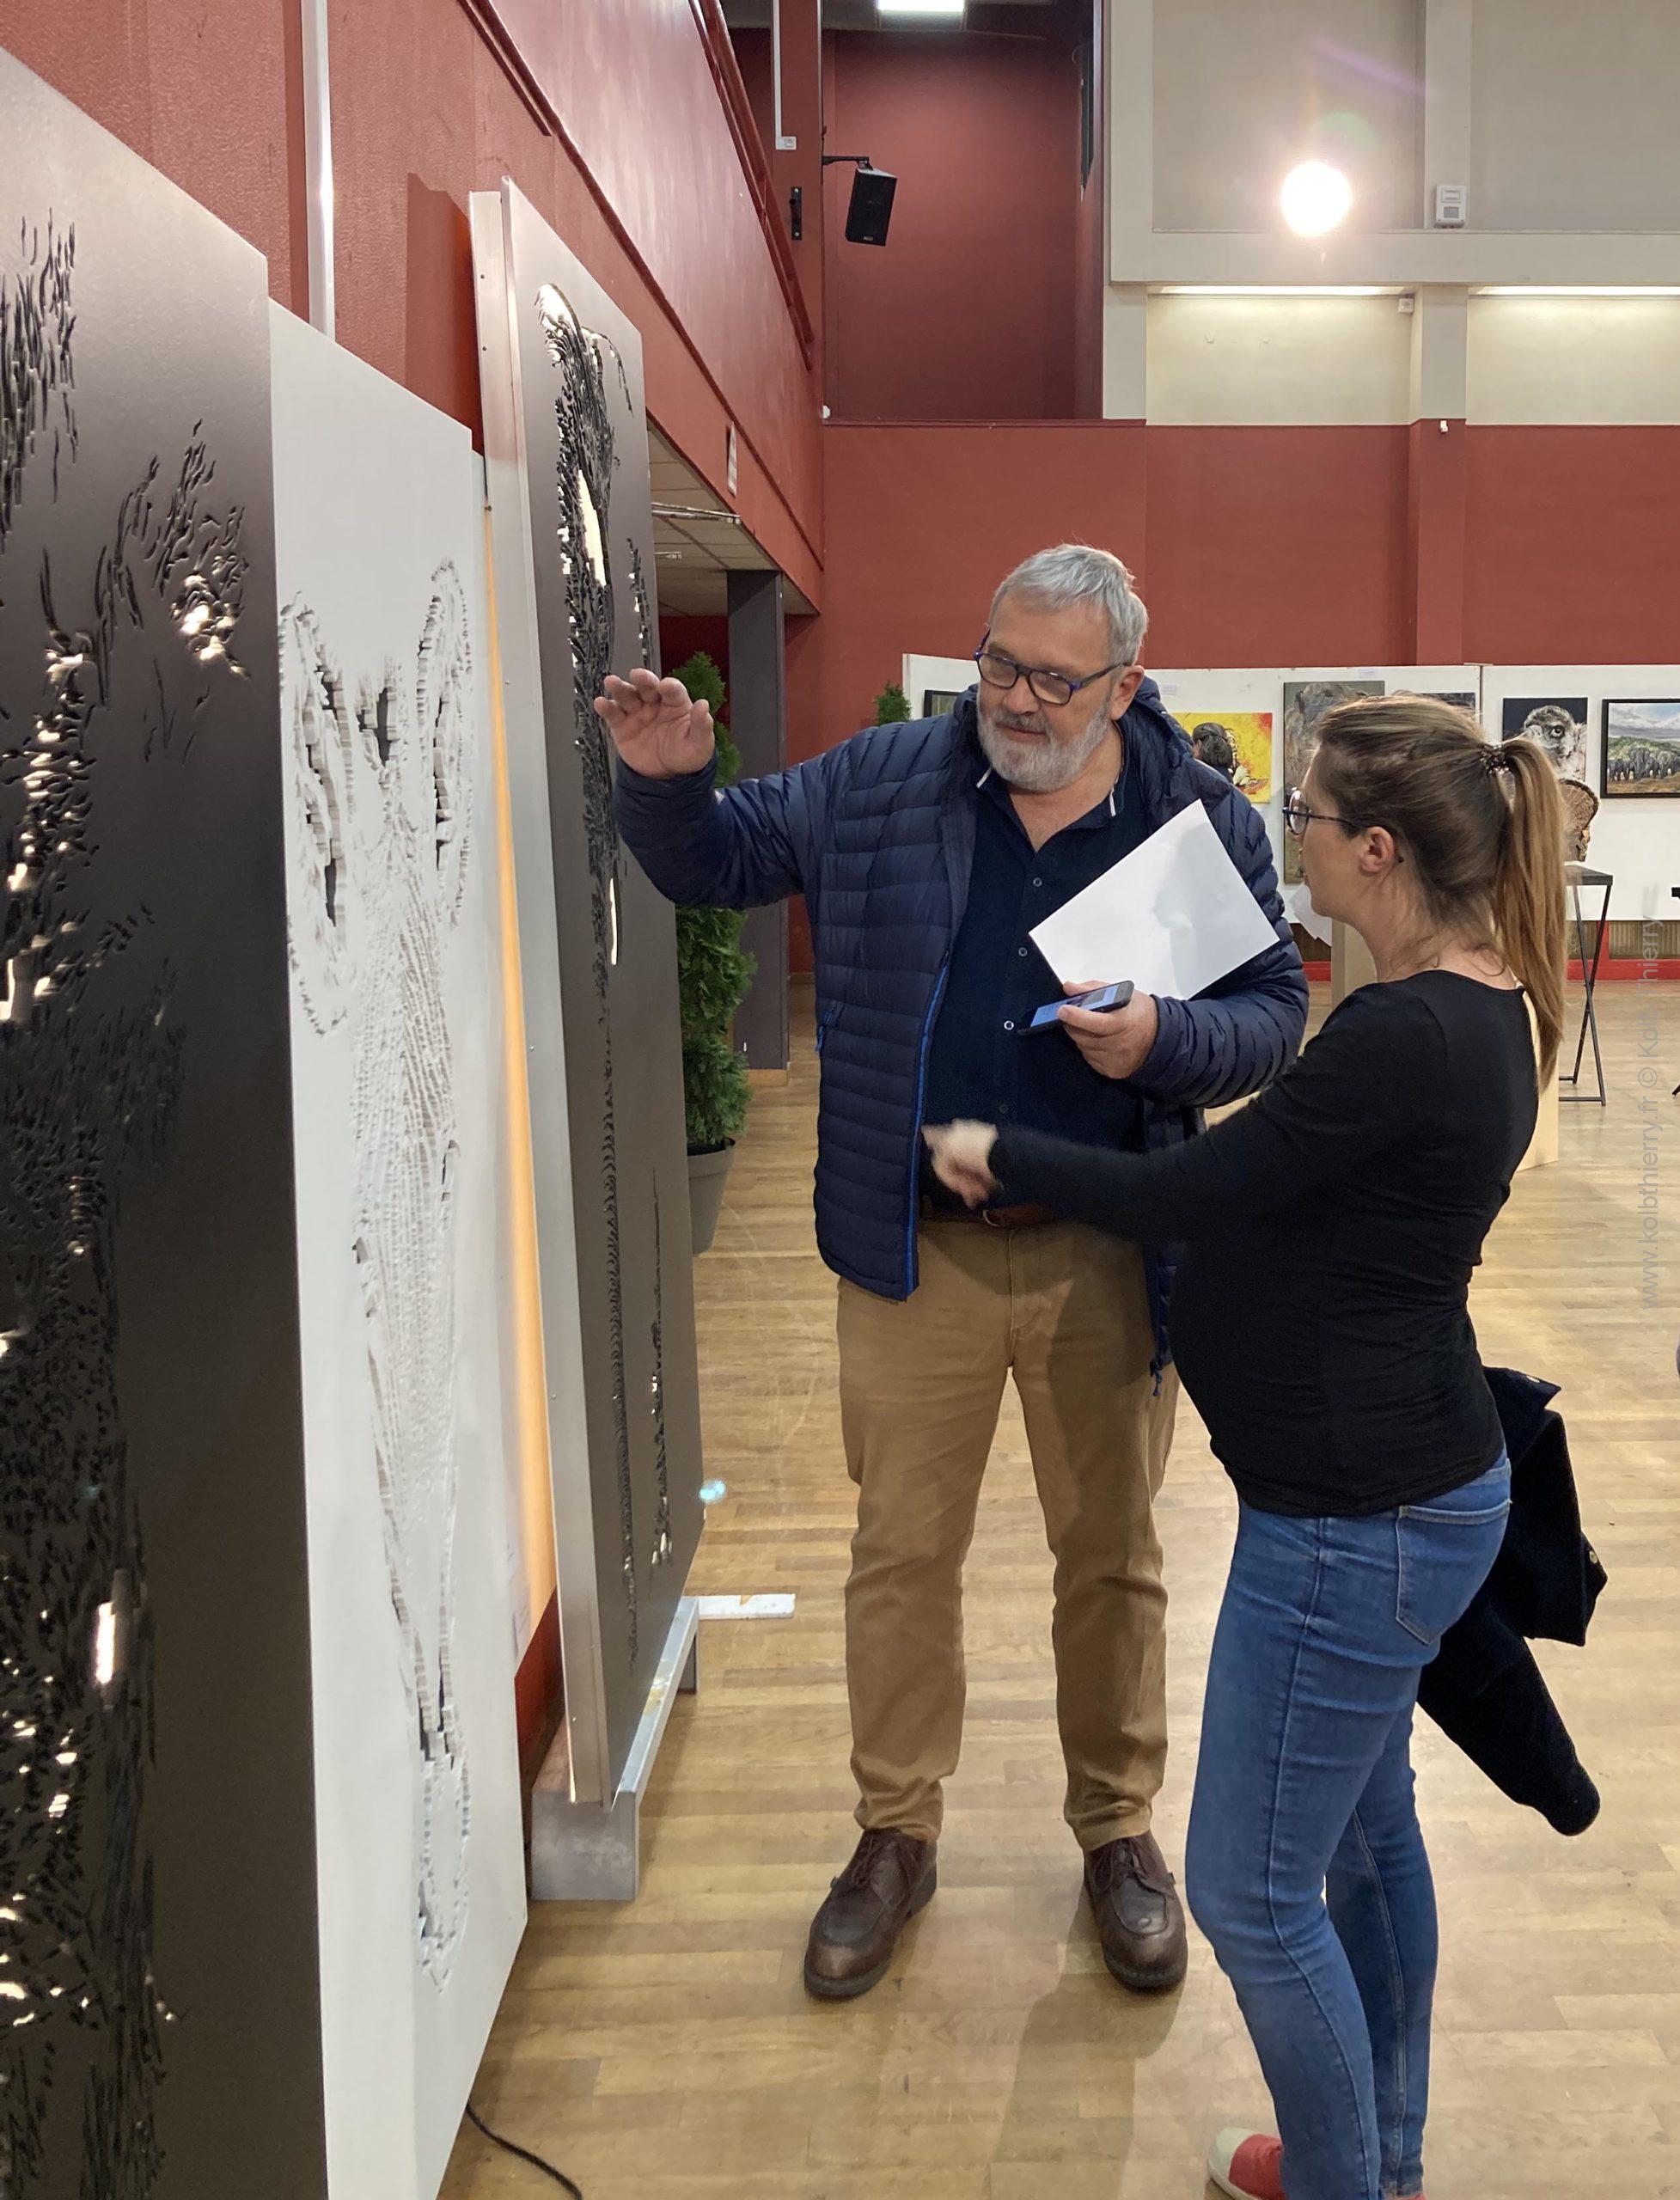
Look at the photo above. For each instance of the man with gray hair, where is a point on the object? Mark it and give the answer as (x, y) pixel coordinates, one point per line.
(926, 853)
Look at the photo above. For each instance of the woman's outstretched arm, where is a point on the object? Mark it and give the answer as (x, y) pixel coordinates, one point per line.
(1364, 1082)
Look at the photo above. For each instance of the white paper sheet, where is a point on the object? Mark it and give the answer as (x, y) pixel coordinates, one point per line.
(1298, 908)
(1174, 916)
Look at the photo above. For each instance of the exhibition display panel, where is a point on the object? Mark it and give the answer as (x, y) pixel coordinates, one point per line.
(399, 1079)
(566, 437)
(160, 1992)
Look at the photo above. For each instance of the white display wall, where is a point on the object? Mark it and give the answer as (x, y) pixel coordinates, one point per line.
(939, 675)
(1636, 838)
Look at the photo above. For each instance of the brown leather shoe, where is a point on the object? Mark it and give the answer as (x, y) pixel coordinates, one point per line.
(1140, 1918)
(891, 1876)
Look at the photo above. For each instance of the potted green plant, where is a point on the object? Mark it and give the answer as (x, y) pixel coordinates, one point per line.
(892, 705)
(713, 972)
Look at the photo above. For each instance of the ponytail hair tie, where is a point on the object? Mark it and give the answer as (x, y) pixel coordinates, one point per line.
(1497, 760)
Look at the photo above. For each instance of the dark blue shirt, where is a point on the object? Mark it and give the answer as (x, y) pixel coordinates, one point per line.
(984, 1064)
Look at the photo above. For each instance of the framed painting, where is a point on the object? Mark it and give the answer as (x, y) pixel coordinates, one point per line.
(1641, 747)
(1557, 723)
(1306, 704)
(1461, 699)
(1237, 743)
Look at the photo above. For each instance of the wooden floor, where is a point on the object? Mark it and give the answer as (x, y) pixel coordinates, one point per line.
(667, 2051)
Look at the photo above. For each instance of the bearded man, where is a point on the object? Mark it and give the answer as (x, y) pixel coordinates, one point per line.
(926, 853)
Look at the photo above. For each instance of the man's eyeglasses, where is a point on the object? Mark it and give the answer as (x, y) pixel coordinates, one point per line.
(998, 670)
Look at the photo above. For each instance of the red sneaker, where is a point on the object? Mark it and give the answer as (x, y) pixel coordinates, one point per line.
(1247, 2166)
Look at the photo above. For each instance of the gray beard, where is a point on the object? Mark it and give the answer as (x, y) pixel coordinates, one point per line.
(1040, 766)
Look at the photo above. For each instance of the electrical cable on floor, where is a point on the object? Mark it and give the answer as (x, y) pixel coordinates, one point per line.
(535, 2160)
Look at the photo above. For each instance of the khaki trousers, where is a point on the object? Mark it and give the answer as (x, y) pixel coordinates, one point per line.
(1064, 1310)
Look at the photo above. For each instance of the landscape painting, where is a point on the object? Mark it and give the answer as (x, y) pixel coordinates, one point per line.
(1641, 747)
(1461, 699)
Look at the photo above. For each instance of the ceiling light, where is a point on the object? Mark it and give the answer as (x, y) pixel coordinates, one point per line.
(1315, 198)
(1578, 290)
(944, 11)
(1279, 290)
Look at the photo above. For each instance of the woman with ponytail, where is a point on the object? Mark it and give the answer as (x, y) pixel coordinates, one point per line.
(1321, 1326)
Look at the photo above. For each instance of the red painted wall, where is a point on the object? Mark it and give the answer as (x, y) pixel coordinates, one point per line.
(753, 56)
(220, 115)
(1276, 545)
(801, 166)
(923, 521)
(968, 312)
(1254, 546)
(1251, 546)
(425, 114)
(635, 92)
(1571, 548)
(539, 1694)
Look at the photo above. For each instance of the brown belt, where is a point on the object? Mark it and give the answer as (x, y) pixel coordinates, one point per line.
(994, 1218)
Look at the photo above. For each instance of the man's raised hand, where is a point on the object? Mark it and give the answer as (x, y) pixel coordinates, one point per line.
(655, 728)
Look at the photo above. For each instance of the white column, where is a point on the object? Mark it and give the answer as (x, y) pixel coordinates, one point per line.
(1440, 339)
(1448, 43)
(1131, 149)
(318, 165)
(1125, 351)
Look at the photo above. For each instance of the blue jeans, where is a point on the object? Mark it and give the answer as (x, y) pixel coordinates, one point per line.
(1304, 1792)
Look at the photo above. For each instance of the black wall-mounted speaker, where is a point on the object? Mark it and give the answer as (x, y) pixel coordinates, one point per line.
(870, 215)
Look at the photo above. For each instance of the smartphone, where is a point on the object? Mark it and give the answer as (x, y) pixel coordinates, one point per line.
(1116, 996)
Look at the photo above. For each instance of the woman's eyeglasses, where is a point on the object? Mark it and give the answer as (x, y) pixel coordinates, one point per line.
(1297, 815)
